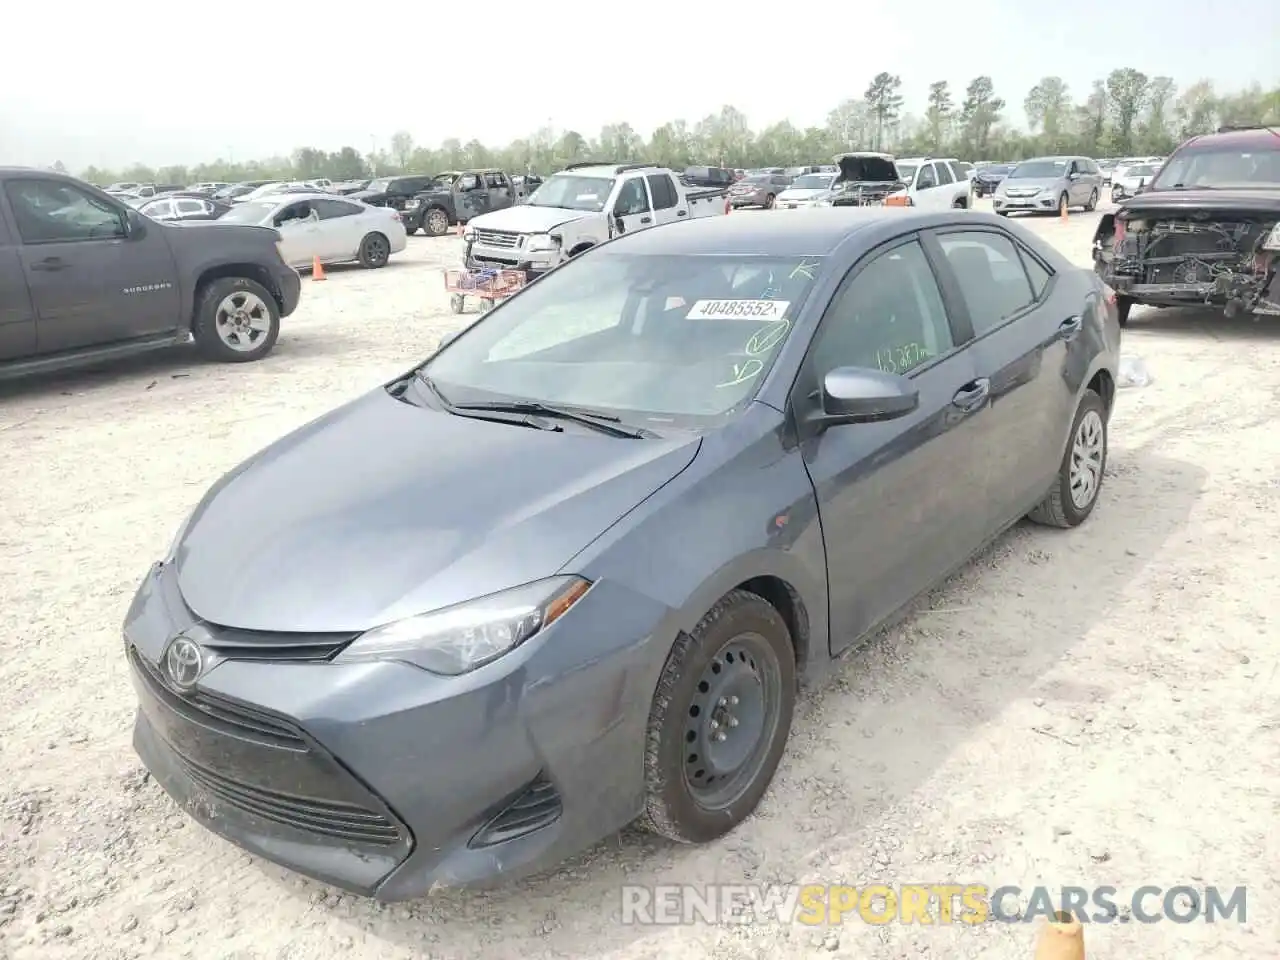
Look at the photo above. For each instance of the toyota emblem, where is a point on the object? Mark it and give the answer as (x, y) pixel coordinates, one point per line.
(183, 663)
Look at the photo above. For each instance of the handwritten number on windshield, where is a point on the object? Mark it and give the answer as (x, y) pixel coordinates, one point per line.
(766, 338)
(742, 372)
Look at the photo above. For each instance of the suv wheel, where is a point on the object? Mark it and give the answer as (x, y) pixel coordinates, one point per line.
(436, 222)
(719, 720)
(237, 320)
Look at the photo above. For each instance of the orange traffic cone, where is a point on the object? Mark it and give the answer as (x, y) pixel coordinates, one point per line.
(317, 271)
(1061, 938)
(1062, 210)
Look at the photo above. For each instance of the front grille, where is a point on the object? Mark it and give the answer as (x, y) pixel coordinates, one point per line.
(343, 821)
(498, 238)
(537, 807)
(234, 644)
(218, 713)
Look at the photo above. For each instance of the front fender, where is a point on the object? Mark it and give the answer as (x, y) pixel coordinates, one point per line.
(1106, 231)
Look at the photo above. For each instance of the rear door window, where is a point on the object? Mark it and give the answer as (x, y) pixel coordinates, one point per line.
(663, 191)
(944, 173)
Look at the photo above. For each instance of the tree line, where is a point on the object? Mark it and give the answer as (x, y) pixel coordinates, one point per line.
(1127, 113)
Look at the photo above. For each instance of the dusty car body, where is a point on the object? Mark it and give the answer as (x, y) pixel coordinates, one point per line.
(758, 190)
(1205, 231)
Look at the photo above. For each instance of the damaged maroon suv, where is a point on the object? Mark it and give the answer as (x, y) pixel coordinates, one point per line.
(1205, 231)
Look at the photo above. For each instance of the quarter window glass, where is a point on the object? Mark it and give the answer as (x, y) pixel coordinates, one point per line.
(991, 277)
(48, 211)
(890, 317)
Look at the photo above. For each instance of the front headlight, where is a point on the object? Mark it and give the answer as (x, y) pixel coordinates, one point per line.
(542, 242)
(461, 638)
(412, 204)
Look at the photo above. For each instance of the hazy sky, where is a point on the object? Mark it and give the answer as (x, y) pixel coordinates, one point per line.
(164, 82)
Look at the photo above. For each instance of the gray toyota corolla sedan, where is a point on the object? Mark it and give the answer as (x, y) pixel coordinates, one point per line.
(566, 573)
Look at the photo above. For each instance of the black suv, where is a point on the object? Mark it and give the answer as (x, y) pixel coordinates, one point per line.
(1204, 231)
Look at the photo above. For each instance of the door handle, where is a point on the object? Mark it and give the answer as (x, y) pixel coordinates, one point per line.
(49, 264)
(682, 213)
(646, 219)
(1070, 328)
(972, 395)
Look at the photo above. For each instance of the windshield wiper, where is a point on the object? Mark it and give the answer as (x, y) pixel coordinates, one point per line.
(478, 412)
(604, 423)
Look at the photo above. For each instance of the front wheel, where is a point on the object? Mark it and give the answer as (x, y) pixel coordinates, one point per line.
(1063, 205)
(375, 250)
(1075, 490)
(1093, 202)
(436, 222)
(768, 202)
(237, 320)
(719, 720)
(1116, 195)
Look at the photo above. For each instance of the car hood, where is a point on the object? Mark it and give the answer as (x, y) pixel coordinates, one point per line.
(1186, 201)
(1029, 183)
(381, 510)
(528, 219)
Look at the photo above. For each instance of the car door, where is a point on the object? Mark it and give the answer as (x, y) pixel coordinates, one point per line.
(1022, 336)
(632, 209)
(301, 239)
(466, 191)
(17, 315)
(665, 199)
(947, 190)
(926, 188)
(96, 275)
(341, 228)
(499, 194)
(896, 499)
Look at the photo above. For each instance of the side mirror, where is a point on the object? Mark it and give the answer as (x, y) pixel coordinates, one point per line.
(618, 223)
(135, 224)
(858, 395)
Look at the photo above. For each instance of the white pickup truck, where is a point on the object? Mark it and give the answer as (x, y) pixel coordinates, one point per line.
(584, 205)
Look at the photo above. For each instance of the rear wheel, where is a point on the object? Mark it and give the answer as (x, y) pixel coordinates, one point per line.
(719, 720)
(375, 250)
(1123, 306)
(1075, 489)
(1093, 202)
(768, 202)
(237, 320)
(1063, 205)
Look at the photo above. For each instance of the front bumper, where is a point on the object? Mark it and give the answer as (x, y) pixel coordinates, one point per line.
(387, 781)
(746, 200)
(411, 217)
(1042, 202)
(289, 282)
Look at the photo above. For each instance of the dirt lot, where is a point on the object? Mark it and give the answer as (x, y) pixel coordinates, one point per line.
(1094, 707)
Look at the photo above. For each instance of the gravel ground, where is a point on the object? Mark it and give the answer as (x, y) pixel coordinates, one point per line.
(1093, 707)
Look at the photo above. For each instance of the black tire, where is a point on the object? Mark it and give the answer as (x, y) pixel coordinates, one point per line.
(1123, 306)
(578, 251)
(1058, 508)
(1002, 213)
(768, 202)
(435, 222)
(211, 301)
(959, 203)
(456, 302)
(1064, 203)
(1092, 205)
(375, 251)
(740, 623)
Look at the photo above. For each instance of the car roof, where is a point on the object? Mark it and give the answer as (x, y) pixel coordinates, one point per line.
(283, 198)
(1237, 138)
(802, 233)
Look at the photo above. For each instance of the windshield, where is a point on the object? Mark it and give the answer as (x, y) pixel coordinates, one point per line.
(757, 180)
(906, 171)
(999, 170)
(1140, 170)
(1039, 170)
(249, 212)
(379, 186)
(1254, 168)
(566, 191)
(812, 181)
(653, 336)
